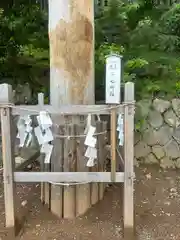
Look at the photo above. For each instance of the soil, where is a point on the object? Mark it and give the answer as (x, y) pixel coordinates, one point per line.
(157, 205)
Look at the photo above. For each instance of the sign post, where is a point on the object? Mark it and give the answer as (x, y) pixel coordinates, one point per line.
(113, 88)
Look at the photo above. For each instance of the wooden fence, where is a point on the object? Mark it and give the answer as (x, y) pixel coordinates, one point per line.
(63, 199)
(68, 187)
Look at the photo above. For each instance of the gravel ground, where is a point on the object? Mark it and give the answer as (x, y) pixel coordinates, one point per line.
(157, 204)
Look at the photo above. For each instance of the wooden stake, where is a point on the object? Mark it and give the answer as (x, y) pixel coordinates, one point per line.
(105, 128)
(101, 159)
(41, 158)
(8, 156)
(129, 163)
(113, 144)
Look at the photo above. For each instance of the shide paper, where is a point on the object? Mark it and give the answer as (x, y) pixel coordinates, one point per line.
(47, 150)
(120, 129)
(90, 142)
(44, 134)
(42, 131)
(24, 131)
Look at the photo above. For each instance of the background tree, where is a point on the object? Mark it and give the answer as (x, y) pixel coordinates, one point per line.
(146, 33)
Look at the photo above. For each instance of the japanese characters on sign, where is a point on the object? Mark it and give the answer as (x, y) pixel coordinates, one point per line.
(113, 79)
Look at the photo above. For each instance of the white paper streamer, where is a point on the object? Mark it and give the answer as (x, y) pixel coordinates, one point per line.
(44, 134)
(120, 129)
(88, 124)
(44, 120)
(91, 151)
(90, 162)
(47, 136)
(39, 135)
(47, 149)
(24, 130)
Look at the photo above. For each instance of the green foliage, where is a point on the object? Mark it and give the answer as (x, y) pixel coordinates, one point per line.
(170, 20)
(23, 40)
(135, 64)
(149, 36)
(8, 43)
(31, 23)
(145, 34)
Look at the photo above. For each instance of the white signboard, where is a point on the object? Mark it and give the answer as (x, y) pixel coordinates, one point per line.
(113, 79)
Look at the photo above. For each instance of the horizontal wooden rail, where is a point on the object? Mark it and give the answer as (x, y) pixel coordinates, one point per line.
(65, 110)
(80, 177)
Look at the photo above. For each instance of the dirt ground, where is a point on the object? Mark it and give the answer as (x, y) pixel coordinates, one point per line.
(157, 204)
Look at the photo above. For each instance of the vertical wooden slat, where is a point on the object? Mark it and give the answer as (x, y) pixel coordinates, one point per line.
(41, 158)
(69, 165)
(83, 202)
(45, 187)
(40, 99)
(129, 168)
(95, 185)
(94, 189)
(113, 144)
(105, 142)
(100, 150)
(8, 155)
(57, 166)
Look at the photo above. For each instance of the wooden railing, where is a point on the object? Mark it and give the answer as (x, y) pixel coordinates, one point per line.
(67, 174)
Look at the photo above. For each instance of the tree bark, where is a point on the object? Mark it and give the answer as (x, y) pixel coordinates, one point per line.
(71, 35)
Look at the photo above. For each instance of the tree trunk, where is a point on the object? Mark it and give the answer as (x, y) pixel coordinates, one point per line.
(71, 36)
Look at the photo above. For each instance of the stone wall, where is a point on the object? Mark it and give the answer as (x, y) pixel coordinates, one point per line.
(22, 94)
(157, 140)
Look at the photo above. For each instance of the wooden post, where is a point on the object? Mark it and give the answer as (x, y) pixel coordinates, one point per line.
(100, 159)
(113, 144)
(113, 97)
(105, 139)
(129, 160)
(102, 154)
(94, 188)
(40, 99)
(6, 97)
(41, 103)
(71, 36)
(45, 187)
